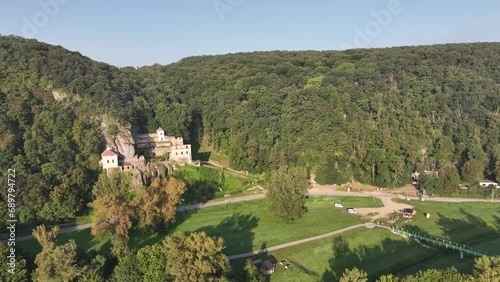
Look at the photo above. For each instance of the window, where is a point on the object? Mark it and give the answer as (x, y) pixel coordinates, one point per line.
(108, 161)
(187, 153)
(182, 153)
(113, 161)
(176, 153)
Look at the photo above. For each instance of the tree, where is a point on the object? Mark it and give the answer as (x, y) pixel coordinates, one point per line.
(387, 278)
(430, 183)
(472, 171)
(55, 263)
(94, 272)
(152, 263)
(354, 275)
(156, 205)
(21, 272)
(497, 171)
(450, 177)
(196, 257)
(63, 204)
(487, 269)
(449, 274)
(252, 273)
(127, 269)
(112, 210)
(174, 118)
(46, 239)
(330, 174)
(287, 192)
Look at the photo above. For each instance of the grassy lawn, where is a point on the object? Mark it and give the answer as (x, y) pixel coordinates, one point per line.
(206, 153)
(215, 182)
(458, 222)
(475, 224)
(379, 251)
(376, 251)
(245, 226)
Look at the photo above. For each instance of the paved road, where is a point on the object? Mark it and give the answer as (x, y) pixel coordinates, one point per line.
(61, 231)
(289, 244)
(317, 192)
(222, 202)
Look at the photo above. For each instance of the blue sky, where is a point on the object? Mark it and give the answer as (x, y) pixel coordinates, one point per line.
(136, 33)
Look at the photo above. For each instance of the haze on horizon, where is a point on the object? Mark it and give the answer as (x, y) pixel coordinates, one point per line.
(128, 33)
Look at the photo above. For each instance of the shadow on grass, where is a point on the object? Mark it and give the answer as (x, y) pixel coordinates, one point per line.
(139, 238)
(469, 229)
(464, 228)
(375, 260)
(236, 231)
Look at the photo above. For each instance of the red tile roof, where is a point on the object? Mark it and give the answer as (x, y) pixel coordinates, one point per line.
(109, 153)
(160, 129)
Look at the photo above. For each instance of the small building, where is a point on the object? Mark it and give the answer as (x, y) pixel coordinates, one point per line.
(109, 158)
(408, 213)
(127, 166)
(161, 134)
(181, 154)
(267, 267)
(486, 183)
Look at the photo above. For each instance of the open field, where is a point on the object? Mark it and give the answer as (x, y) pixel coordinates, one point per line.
(458, 222)
(245, 226)
(379, 251)
(376, 251)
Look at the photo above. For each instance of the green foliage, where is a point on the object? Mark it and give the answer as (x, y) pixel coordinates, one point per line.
(472, 171)
(112, 209)
(127, 269)
(330, 174)
(378, 113)
(94, 271)
(487, 269)
(206, 183)
(152, 263)
(252, 273)
(287, 193)
(431, 183)
(174, 118)
(20, 271)
(196, 257)
(354, 275)
(113, 129)
(59, 265)
(450, 274)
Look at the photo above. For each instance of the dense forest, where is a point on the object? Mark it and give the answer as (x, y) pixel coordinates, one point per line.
(374, 116)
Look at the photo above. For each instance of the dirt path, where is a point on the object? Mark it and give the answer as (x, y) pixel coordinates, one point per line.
(293, 243)
(389, 207)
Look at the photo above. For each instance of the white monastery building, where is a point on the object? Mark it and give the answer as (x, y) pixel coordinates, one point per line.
(109, 158)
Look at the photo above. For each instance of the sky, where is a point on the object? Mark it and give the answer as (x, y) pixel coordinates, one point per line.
(138, 33)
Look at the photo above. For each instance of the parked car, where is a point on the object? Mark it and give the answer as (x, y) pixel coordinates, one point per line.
(338, 205)
(352, 210)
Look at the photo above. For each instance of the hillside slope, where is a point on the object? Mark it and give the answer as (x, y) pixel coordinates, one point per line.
(372, 115)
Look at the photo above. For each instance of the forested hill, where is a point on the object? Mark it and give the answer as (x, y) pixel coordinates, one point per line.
(375, 115)
(372, 115)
